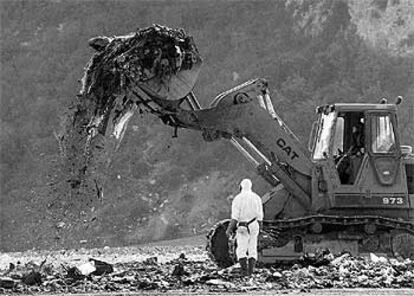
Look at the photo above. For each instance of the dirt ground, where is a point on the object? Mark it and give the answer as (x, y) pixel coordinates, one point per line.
(136, 273)
(327, 292)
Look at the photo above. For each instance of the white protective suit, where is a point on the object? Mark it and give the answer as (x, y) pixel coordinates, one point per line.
(246, 206)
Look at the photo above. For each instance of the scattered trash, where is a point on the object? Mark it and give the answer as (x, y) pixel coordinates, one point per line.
(32, 278)
(151, 261)
(338, 260)
(321, 258)
(179, 270)
(11, 266)
(101, 267)
(7, 283)
(182, 256)
(86, 268)
(376, 259)
(222, 283)
(316, 271)
(74, 273)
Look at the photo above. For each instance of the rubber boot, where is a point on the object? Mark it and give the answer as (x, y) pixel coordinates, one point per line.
(243, 265)
(252, 264)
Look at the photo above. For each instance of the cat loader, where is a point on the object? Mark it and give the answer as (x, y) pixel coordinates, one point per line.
(351, 190)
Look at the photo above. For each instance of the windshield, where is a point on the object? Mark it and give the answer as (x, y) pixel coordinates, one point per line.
(324, 136)
(383, 139)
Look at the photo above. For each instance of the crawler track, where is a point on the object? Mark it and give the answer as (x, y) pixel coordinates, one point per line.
(397, 235)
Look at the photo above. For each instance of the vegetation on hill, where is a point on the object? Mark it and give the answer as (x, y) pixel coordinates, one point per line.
(311, 52)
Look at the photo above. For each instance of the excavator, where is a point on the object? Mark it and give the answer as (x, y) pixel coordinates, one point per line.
(325, 197)
(349, 189)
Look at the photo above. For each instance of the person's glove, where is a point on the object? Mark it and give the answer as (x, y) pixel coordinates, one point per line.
(231, 227)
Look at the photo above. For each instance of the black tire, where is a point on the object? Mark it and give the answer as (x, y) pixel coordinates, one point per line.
(218, 245)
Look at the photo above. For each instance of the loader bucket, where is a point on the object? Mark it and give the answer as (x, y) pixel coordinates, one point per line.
(165, 61)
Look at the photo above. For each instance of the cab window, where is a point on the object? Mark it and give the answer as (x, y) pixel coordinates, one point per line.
(338, 144)
(382, 131)
(323, 136)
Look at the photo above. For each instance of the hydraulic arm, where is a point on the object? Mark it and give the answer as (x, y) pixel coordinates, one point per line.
(245, 116)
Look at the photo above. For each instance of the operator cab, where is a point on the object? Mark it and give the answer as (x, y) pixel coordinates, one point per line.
(349, 133)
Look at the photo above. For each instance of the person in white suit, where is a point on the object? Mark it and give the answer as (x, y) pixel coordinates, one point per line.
(247, 216)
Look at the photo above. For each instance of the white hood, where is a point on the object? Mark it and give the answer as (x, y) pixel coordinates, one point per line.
(246, 185)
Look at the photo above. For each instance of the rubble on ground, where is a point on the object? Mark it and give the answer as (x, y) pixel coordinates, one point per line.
(191, 274)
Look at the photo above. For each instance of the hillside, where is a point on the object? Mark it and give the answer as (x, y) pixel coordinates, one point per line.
(311, 52)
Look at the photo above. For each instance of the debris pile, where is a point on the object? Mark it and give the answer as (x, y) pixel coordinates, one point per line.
(157, 53)
(189, 275)
(158, 61)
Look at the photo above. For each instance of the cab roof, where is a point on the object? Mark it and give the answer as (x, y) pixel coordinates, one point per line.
(364, 107)
(356, 107)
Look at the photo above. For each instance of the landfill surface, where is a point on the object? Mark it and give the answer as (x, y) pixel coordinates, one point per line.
(175, 268)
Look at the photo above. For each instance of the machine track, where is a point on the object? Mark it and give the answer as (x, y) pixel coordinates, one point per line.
(277, 233)
(389, 223)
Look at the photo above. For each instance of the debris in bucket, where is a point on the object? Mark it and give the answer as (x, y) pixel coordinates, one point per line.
(158, 61)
